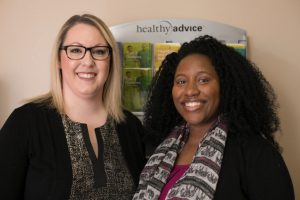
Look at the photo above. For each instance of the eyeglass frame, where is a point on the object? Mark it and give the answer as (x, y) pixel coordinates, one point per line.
(85, 50)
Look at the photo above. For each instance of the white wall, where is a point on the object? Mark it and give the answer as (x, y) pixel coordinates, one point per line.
(28, 28)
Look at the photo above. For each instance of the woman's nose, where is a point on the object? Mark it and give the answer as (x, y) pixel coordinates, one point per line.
(88, 59)
(192, 89)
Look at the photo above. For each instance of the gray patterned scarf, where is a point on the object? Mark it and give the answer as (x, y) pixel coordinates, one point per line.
(201, 178)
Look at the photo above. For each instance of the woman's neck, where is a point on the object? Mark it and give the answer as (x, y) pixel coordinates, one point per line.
(198, 132)
(90, 111)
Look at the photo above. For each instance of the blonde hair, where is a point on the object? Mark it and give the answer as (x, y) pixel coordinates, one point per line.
(112, 88)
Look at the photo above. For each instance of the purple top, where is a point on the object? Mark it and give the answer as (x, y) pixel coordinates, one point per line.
(174, 176)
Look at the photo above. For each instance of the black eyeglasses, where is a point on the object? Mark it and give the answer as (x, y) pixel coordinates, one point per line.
(77, 52)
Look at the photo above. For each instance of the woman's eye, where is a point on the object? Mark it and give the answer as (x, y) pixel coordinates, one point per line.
(203, 80)
(99, 52)
(180, 82)
(76, 50)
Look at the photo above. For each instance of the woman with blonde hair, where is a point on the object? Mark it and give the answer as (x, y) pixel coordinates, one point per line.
(76, 141)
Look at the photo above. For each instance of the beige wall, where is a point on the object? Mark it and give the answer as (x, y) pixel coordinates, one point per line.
(27, 31)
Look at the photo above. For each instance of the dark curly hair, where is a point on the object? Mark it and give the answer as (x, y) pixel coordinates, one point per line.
(247, 100)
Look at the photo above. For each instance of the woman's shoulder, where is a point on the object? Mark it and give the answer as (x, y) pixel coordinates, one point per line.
(260, 164)
(29, 111)
(256, 153)
(130, 125)
(32, 108)
(252, 143)
(131, 118)
(257, 144)
(22, 117)
(251, 151)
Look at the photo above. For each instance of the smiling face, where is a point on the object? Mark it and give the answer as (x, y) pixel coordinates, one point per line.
(86, 77)
(196, 90)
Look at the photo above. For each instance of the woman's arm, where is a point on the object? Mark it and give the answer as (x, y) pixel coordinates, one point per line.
(266, 171)
(13, 155)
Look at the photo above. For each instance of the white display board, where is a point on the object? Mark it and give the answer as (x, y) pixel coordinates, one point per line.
(176, 30)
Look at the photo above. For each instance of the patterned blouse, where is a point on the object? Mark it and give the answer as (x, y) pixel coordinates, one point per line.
(106, 177)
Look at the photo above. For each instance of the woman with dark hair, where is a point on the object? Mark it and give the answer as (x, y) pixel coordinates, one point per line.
(214, 116)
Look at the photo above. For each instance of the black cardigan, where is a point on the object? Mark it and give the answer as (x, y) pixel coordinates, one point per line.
(35, 161)
(252, 169)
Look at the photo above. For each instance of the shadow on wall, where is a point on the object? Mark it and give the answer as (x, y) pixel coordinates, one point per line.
(289, 141)
(3, 103)
(289, 116)
(282, 72)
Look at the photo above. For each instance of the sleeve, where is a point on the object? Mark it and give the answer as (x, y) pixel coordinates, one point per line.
(266, 172)
(13, 155)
